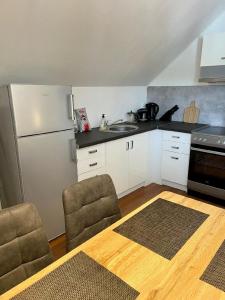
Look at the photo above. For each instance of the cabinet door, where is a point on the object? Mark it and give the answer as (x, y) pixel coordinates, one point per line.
(154, 156)
(175, 167)
(117, 163)
(213, 50)
(137, 159)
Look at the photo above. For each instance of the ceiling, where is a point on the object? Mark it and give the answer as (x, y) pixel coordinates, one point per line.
(97, 42)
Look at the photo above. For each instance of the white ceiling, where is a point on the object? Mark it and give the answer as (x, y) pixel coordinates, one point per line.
(97, 42)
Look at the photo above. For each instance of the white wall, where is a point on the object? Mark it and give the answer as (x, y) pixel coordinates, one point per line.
(184, 69)
(115, 102)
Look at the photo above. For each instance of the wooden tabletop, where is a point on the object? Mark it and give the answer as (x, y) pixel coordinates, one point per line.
(150, 274)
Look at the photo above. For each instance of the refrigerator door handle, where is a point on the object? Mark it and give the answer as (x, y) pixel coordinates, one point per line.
(73, 150)
(71, 106)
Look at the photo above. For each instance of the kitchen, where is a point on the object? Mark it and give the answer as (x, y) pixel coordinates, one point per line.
(157, 153)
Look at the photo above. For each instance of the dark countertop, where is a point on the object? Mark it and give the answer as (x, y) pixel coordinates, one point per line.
(94, 137)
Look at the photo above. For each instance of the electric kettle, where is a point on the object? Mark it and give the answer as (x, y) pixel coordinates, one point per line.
(153, 110)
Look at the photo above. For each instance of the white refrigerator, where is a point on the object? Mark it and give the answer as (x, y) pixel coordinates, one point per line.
(38, 149)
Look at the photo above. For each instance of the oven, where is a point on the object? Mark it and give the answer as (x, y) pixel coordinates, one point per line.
(207, 171)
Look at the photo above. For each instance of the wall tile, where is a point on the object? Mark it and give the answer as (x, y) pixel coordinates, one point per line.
(210, 99)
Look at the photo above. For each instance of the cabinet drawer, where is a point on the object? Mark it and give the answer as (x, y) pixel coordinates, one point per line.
(88, 165)
(90, 174)
(91, 152)
(177, 137)
(176, 147)
(175, 167)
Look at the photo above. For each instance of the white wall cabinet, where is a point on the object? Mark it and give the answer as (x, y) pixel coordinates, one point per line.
(213, 50)
(126, 161)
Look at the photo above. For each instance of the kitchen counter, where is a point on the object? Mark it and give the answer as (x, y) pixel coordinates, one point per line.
(95, 136)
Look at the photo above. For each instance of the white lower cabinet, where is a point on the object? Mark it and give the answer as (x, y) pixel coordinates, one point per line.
(152, 157)
(175, 167)
(175, 158)
(137, 166)
(117, 163)
(91, 161)
(126, 161)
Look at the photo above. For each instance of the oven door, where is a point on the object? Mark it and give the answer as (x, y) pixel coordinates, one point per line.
(207, 171)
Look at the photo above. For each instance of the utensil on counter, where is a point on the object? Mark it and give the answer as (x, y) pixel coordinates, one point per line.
(168, 115)
(191, 113)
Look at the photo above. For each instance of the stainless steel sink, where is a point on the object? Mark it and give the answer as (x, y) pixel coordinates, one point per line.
(121, 128)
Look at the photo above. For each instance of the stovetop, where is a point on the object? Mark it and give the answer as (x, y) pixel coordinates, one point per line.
(212, 130)
(213, 136)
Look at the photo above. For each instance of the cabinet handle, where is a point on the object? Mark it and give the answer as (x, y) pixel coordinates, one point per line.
(94, 164)
(175, 136)
(173, 147)
(223, 57)
(92, 151)
(127, 147)
(132, 144)
(173, 157)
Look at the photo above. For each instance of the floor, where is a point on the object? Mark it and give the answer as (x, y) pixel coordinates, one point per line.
(126, 204)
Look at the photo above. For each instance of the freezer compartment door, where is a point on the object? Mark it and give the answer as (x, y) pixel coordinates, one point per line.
(48, 166)
(41, 108)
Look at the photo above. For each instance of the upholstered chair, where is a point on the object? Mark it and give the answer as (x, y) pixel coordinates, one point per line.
(24, 248)
(90, 206)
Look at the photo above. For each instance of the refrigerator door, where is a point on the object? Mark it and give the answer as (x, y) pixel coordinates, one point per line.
(48, 166)
(41, 108)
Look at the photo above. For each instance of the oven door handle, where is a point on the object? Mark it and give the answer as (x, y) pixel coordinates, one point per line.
(208, 151)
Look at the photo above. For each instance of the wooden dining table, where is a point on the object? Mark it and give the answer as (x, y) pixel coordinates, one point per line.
(152, 275)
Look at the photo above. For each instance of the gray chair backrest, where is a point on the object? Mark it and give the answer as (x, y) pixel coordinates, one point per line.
(89, 206)
(24, 247)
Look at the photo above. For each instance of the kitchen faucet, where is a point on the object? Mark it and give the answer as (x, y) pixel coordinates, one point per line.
(115, 122)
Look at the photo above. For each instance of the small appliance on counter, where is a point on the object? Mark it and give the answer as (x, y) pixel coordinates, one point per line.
(142, 115)
(168, 115)
(153, 110)
(132, 117)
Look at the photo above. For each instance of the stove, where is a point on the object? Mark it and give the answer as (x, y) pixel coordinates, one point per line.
(210, 136)
(207, 162)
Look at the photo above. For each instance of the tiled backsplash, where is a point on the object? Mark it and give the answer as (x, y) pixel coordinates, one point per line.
(210, 99)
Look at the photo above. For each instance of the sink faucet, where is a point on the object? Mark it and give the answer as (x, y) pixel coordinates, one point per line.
(116, 122)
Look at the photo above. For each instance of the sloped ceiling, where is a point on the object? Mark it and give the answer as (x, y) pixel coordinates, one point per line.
(97, 42)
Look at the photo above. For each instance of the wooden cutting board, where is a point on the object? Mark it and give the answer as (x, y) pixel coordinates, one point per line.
(191, 113)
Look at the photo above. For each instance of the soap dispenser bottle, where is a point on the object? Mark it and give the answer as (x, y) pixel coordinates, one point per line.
(103, 125)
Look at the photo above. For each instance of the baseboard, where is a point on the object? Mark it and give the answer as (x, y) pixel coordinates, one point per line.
(175, 185)
(131, 190)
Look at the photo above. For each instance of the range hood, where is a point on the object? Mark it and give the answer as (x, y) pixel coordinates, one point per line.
(212, 74)
(212, 67)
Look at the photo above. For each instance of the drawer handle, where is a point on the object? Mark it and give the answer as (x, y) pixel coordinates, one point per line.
(92, 151)
(173, 157)
(223, 57)
(94, 164)
(175, 136)
(173, 147)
